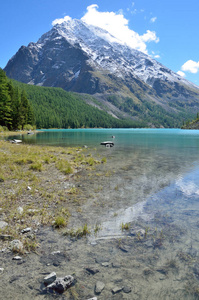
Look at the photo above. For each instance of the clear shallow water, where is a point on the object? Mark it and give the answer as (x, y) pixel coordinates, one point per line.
(149, 166)
(153, 183)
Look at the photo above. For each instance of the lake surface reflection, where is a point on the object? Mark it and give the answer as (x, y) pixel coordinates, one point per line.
(151, 183)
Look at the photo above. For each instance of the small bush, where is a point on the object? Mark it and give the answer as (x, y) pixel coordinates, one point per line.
(28, 127)
(59, 222)
(104, 160)
(36, 167)
(64, 166)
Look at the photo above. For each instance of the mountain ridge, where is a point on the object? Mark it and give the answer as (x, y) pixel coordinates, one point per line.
(86, 59)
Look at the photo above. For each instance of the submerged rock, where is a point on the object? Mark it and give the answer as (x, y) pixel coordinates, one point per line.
(126, 289)
(117, 289)
(61, 284)
(137, 231)
(196, 269)
(99, 287)
(93, 271)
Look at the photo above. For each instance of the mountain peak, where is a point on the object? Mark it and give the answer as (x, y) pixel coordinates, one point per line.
(88, 59)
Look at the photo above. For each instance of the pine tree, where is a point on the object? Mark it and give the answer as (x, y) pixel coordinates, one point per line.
(5, 102)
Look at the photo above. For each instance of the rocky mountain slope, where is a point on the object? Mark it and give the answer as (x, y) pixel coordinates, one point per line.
(86, 59)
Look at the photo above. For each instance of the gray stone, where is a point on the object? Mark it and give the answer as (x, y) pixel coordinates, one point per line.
(93, 271)
(3, 224)
(16, 245)
(5, 237)
(99, 286)
(124, 248)
(94, 298)
(126, 289)
(50, 278)
(105, 264)
(196, 269)
(137, 231)
(117, 289)
(61, 284)
(116, 265)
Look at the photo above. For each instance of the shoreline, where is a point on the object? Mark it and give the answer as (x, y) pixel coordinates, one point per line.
(50, 196)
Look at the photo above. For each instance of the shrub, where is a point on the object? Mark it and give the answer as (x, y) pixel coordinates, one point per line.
(59, 222)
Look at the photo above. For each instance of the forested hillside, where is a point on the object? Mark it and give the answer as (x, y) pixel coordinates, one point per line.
(194, 124)
(56, 108)
(15, 109)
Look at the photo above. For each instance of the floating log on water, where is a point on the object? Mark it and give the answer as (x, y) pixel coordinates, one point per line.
(107, 144)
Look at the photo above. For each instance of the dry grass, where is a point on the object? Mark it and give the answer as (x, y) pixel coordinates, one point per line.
(40, 180)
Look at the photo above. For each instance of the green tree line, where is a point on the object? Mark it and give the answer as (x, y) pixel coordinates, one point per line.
(56, 108)
(15, 109)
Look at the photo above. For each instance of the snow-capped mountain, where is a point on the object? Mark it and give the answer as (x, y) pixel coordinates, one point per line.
(83, 58)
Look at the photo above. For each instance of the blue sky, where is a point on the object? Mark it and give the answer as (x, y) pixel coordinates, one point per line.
(165, 29)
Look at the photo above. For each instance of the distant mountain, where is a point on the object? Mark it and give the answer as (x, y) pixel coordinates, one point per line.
(125, 82)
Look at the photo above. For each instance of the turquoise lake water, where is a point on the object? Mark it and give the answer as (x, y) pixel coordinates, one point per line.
(148, 164)
(153, 185)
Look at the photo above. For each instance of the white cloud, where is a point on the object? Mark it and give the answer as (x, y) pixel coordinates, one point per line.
(153, 19)
(191, 66)
(182, 74)
(117, 25)
(59, 21)
(157, 56)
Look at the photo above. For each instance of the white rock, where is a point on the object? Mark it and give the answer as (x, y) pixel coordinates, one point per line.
(25, 230)
(1, 270)
(3, 224)
(20, 210)
(56, 252)
(17, 258)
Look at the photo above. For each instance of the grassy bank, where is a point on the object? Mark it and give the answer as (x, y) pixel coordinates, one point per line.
(39, 186)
